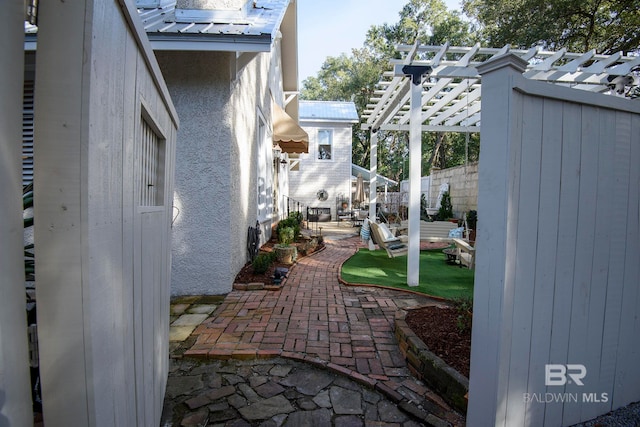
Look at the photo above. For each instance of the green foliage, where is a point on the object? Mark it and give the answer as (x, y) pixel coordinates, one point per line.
(464, 308)
(262, 262)
(423, 208)
(286, 235)
(291, 222)
(446, 209)
(472, 219)
(355, 78)
(608, 26)
(426, 20)
(296, 216)
(29, 256)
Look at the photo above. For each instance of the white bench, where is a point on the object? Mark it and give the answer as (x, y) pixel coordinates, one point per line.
(435, 231)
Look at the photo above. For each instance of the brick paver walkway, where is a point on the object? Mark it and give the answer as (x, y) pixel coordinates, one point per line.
(316, 319)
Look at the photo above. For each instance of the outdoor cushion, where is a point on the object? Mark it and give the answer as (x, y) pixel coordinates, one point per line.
(385, 233)
(396, 246)
(456, 233)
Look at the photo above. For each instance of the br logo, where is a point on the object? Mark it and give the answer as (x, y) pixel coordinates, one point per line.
(555, 374)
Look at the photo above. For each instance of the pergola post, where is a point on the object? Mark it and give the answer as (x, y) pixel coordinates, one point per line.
(373, 172)
(417, 73)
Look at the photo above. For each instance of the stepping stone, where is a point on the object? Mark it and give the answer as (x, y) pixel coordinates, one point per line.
(322, 399)
(257, 381)
(198, 401)
(190, 320)
(306, 403)
(308, 382)
(183, 385)
(265, 409)
(195, 420)
(233, 379)
(180, 333)
(237, 401)
(269, 389)
(317, 418)
(348, 421)
(221, 392)
(345, 401)
(178, 309)
(390, 413)
(201, 309)
(280, 371)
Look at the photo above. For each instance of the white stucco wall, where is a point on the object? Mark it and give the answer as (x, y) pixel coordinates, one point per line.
(199, 85)
(314, 174)
(216, 175)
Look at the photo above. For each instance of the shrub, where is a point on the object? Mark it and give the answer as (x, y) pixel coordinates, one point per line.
(286, 235)
(262, 262)
(464, 307)
(296, 216)
(289, 223)
(446, 209)
(472, 219)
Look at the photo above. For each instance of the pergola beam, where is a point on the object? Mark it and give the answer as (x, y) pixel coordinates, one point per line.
(451, 100)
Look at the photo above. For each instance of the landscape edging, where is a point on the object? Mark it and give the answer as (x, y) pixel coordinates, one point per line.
(452, 386)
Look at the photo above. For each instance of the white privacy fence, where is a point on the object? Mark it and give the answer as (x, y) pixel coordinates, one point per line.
(105, 137)
(556, 303)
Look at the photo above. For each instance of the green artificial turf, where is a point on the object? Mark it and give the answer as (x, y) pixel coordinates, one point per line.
(437, 277)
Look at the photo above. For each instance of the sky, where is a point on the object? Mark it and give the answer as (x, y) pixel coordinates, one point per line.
(331, 27)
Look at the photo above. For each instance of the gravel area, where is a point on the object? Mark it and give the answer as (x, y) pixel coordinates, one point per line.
(627, 416)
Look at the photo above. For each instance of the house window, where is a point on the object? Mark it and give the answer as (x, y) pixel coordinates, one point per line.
(151, 174)
(264, 188)
(325, 144)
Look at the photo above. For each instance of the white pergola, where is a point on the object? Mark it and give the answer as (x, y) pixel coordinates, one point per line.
(438, 89)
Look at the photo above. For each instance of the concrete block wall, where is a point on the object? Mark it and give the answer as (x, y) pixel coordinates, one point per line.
(463, 186)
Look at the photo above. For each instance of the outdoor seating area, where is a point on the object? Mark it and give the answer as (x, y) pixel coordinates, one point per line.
(465, 253)
(383, 237)
(434, 231)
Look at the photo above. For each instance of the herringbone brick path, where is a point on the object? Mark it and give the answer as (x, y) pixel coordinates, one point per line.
(317, 319)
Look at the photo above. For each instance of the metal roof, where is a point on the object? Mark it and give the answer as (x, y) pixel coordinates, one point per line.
(451, 94)
(381, 181)
(254, 32)
(328, 111)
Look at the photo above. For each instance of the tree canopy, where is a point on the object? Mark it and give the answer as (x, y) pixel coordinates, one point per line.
(608, 26)
(579, 25)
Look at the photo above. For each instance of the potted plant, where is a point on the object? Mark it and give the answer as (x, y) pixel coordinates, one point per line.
(445, 213)
(285, 253)
(472, 221)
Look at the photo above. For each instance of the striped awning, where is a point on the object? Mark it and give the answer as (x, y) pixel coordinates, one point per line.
(287, 133)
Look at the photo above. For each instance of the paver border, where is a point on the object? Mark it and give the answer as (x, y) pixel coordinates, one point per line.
(451, 385)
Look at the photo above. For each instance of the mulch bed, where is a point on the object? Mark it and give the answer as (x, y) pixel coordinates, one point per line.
(246, 275)
(438, 328)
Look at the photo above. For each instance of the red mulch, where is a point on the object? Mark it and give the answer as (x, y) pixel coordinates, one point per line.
(246, 275)
(438, 328)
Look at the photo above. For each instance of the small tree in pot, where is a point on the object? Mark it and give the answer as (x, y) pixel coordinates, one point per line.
(446, 209)
(286, 253)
